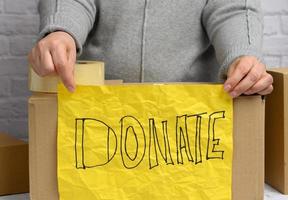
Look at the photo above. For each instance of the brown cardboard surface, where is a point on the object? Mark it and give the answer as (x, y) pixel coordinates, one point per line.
(113, 82)
(248, 155)
(14, 177)
(43, 147)
(248, 161)
(276, 136)
(283, 70)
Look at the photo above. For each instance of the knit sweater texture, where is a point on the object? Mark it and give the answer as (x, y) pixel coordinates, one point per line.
(159, 40)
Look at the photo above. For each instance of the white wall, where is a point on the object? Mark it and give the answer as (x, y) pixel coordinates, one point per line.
(275, 32)
(19, 23)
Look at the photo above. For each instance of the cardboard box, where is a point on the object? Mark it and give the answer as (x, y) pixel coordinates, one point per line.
(14, 177)
(276, 136)
(248, 161)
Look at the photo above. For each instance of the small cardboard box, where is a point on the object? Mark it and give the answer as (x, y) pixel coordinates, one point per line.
(276, 136)
(14, 177)
(248, 161)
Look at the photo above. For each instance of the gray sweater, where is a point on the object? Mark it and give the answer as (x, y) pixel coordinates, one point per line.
(159, 40)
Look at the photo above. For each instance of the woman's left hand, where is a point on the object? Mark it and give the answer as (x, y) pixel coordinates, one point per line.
(247, 75)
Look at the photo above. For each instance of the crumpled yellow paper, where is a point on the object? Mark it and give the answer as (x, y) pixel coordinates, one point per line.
(148, 142)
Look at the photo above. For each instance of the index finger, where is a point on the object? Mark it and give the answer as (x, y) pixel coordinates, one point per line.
(240, 71)
(63, 67)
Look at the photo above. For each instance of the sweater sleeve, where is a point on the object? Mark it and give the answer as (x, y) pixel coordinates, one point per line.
(75, 17)
(235, 28)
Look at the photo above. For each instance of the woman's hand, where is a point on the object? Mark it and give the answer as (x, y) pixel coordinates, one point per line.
(247, 75)
(55, 54)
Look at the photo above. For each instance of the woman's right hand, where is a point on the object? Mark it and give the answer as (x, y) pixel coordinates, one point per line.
(55, 54)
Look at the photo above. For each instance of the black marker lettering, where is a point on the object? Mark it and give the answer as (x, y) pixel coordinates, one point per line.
(94, 125)
(154, 145)
(130, 125)
(212, 141)
(182, 140)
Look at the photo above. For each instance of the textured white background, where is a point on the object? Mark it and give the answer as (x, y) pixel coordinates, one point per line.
(19, 26)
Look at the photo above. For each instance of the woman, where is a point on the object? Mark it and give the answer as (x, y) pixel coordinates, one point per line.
(156, 40)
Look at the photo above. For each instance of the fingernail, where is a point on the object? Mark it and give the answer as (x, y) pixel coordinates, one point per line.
(227, 87)
(233, 94)
(71, 88)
